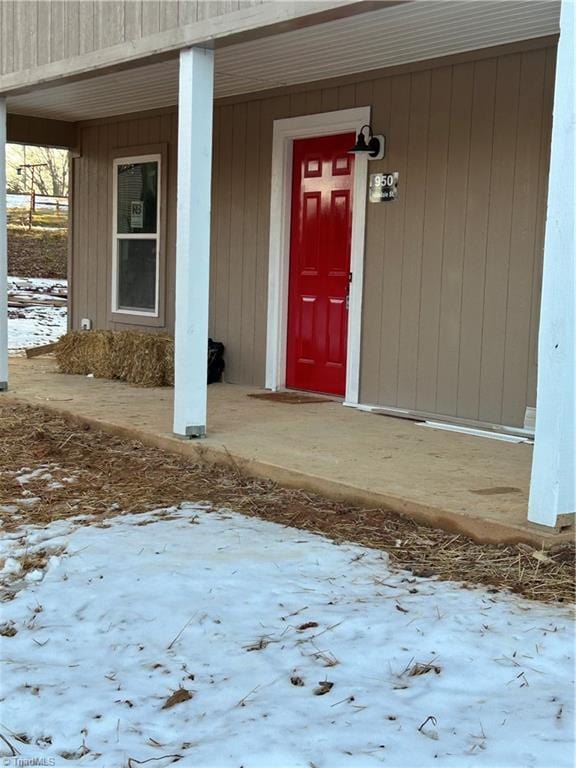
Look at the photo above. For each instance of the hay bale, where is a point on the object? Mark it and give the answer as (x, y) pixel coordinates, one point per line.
(71, 354)
(98, 352)
(141, 357)
(83, 353)
(123, 349)
(144, 359)
(169, 363)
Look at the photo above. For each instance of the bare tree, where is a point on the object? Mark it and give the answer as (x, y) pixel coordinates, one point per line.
(51, 179)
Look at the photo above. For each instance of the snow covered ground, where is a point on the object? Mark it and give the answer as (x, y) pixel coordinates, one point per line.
(44, 202)
(42, 323)
(230, 641)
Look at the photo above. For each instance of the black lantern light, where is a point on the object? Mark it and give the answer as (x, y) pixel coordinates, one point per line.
(374, 147)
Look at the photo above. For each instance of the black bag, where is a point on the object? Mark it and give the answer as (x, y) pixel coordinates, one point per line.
(215, 361)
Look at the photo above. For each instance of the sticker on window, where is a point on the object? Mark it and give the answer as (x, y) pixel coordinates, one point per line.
(136, 214)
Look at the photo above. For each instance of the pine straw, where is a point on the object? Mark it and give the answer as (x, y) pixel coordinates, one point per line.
(115, 475)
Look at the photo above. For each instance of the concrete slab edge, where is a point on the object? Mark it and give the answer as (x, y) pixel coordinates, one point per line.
(480, 530)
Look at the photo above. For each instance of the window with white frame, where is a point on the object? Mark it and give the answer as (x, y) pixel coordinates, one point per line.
(136, 235)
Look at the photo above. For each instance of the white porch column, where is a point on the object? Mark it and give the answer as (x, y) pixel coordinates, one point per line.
(193, 241)
(3, 254)
(553, 484)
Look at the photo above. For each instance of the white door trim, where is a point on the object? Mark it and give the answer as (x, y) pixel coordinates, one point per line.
(285, 131)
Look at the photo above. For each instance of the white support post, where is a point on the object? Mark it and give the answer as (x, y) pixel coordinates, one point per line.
(195, 105)
(553, 484)
(3, 254)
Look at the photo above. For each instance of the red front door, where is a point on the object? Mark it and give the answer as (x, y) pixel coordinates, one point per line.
(320, 238)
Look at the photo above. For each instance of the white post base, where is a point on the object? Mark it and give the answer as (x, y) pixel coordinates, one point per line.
(3, 254)
(195, 430)
(553, 483)
(196, 91)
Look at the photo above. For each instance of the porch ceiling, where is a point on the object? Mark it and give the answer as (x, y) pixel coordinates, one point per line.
(411, 31)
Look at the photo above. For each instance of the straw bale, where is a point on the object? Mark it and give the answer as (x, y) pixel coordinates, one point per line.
(144, 359)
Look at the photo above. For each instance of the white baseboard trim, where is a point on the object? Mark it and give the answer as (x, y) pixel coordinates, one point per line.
(478, 428)
(474, 432)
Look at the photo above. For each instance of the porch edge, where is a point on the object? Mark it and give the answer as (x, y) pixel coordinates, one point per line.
(480, 530)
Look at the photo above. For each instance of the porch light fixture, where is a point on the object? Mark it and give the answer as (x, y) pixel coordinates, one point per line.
(374, 148)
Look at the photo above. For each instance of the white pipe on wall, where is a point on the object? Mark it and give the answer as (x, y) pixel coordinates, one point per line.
(3, 254)
(553, 483)
(196, 93)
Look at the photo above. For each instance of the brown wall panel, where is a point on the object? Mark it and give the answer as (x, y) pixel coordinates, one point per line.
(498, 238)
(92, 225)
(249, 255)
(453, 239)
(524, 218)
(433, 233)
(452, 267)
(384, 254)
(414, 190)
(545, 134)
(36, 32)
(476, 228)
(236, 180)
(38, 130)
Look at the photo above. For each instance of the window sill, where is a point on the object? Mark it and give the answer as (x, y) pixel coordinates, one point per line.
(147, 321)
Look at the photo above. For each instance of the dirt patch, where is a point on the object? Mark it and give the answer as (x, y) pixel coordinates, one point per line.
(38, 253)
(94, 473)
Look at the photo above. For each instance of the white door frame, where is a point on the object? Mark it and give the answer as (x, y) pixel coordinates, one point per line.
(285, 131)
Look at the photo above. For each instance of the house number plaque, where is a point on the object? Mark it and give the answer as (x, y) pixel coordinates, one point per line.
(383, 186)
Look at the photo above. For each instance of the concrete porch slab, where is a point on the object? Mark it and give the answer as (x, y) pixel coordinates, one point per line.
(462, 483)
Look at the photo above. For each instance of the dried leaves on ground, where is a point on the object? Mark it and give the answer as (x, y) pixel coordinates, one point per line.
(65, 469)
(38, 252)
(178, 697)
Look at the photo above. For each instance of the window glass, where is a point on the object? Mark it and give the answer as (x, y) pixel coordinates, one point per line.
(137, 275)
(137, 198)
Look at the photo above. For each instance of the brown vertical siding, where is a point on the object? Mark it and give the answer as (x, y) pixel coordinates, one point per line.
(452, 267)
(411, 248)
(35, 32)
(450, 296)
(524, 218)
(543, 168)
(235, 175)
(92, 213)
(478, 263)
(433, 237)
(7, 35)
(476, 230)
